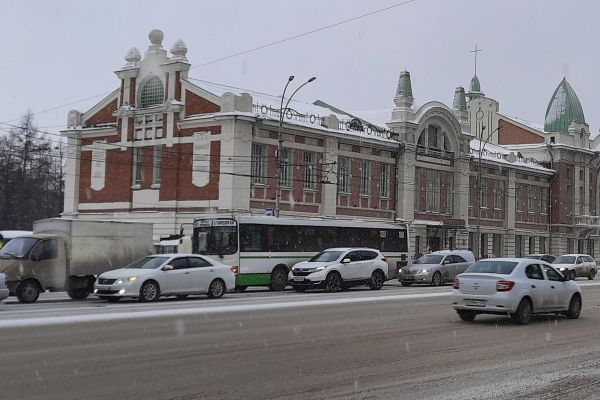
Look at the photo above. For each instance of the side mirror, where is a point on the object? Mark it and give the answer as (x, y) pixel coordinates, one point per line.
(446, 262)
(345, 261)
(167, 267)
(36, 257)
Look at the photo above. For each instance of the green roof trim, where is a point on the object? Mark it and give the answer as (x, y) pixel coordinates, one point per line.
(404, 86)
(563, 109)
(475, 86)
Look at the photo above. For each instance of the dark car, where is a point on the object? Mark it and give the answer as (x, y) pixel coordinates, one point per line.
(549, 258)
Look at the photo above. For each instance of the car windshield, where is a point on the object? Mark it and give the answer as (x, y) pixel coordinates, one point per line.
(564, 260)
(493, 267)
(147, 263)
(17, 248)
(429, 259)
(326, 256)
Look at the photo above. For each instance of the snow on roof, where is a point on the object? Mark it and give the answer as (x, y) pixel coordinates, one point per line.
(533, 125)
(499, 154)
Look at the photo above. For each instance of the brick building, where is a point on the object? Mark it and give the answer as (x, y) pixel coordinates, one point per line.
(164, 148)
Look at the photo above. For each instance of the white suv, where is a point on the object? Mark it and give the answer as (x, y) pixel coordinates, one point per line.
(340, 268)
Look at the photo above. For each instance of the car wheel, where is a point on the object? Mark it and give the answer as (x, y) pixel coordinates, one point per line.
(241, 289)
(216, 289)
(437, 280)
(78, 293)
(466, 315)
(299, 289)
(523, 314)
(334, 282)
(28, 291)
(405, 283)
(377, 279)
(149, 292)
(592, 274)
(279, 280)
(574, 307)
(573, 274)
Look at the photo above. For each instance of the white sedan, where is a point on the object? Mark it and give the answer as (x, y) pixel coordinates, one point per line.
(517, 287)
(3, 288)
(166, 275)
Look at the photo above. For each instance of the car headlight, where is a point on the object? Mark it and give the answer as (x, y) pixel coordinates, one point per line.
(562, 269)
(130, 279)
(424, 271)
(318, 269)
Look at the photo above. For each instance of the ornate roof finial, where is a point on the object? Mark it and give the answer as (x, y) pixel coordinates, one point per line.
(179, 50)
(404, 96)
(563, 109)
(132, 57)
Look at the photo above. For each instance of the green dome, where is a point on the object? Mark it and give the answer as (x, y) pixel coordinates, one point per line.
(563, 109)
(475, 86)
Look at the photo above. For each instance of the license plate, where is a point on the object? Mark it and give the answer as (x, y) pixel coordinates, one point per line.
(103, 287)
(298, 278)
(475, 303)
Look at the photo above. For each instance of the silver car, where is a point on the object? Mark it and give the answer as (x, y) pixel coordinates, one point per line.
(437, 267)
(576, 265)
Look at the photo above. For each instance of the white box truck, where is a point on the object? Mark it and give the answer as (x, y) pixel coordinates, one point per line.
(68, 254)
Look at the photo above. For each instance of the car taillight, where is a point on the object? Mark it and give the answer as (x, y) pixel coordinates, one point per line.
(504, 286)
(455, 285)
(384, 258)
(234, 269)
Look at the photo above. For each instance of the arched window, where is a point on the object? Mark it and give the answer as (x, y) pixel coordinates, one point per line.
(152, 92)
(433, 137)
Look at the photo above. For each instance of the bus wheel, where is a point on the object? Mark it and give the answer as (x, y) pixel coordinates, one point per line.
(241, 289)
(279, 280)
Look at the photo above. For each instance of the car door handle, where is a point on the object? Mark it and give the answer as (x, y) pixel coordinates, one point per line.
(212, 270)
(533, 286)
(551, 287)
(186, 272)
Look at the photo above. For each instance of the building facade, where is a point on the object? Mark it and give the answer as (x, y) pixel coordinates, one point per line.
(166, 149)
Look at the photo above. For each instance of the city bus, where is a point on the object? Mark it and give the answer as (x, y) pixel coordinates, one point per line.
(265, 248)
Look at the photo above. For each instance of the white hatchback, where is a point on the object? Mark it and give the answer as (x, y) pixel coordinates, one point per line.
(517, 287)
(340, 268)
(166, 275)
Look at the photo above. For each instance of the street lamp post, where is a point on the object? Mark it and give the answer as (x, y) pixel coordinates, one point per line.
(481, 148)
(278, 160)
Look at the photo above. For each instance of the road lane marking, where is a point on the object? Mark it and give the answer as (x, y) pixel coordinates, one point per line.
(120, 316)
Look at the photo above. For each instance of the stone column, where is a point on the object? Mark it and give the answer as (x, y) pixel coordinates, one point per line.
(405, 186)
(72, 172)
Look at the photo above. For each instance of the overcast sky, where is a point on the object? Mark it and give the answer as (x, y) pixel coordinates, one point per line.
(57, 52)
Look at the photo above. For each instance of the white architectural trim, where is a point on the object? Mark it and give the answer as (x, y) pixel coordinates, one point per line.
(100, 105)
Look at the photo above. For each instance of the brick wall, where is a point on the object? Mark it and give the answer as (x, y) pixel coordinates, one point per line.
(104, 116)
(195, 104)
(512, 134)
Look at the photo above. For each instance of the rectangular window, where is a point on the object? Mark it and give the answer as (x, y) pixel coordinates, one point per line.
(137, 166)
(530, 199)
(156, 164)
(472, 188)
(519, 198)
(432, 137)
(497, 245)
(384, 180)
(343, 175)
(310, 170)
(483, 193)
(287, 171)
(498, 195)
(432, 194)
(569, 200)
(544, 200)
(484, 246)
(365, 177)
(542, 245)
(531, 244)
(581, 200)
(418, 189)
(259, 163)
(450, 193)
(518, 246)
(570, 246)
